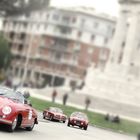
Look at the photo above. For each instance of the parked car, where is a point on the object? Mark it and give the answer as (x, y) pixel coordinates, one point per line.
(15, 112)
(54, 113)
(78, 119)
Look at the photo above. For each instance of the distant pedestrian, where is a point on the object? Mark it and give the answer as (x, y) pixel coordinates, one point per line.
(8, 83)
(65, 98)
(87, 103)
(54, 94)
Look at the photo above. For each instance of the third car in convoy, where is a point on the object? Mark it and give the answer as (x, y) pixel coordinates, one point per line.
(78, 119)
(54, 113)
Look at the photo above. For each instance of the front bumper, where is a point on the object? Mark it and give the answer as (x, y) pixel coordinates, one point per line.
(59, 118)
(4, 121)
(77, 123)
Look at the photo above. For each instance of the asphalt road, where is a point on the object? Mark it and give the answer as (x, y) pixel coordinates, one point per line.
(59, 131)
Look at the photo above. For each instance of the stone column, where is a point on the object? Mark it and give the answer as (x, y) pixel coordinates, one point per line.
(119, 37)
(53, 80)
(32, 76)
(19, 72)
(132, 40)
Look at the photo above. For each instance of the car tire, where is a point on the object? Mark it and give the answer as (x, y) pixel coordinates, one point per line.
(51, 118)
(11, 128)
(44, 116)
(31, 127)
(68, 124)
(85, 128)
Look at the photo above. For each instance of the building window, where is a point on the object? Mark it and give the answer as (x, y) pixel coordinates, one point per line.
(5, 23)
(105, 40)
(55, 17)
(58, 57)
(138, 47)
(25, 24)
(65, 30)
(12, 34)
(66, 19)
(83, 22)
(77, 47)
(103, 54)
(96, 24)
(79, 34)
(74, 19)
(38, 26)
(20, 47)
(48, 16)
(90, 50)
(45, 26)
(92, 37)
(113, 31)
(22, 36)
(123, 44)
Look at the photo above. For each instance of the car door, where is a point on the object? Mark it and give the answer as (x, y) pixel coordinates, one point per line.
(28, 115)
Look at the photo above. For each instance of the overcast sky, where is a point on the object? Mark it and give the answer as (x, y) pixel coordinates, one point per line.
(107, 6)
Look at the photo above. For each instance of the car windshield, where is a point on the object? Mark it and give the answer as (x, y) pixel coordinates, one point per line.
(15, 96)
(56, 110)
(79, 115)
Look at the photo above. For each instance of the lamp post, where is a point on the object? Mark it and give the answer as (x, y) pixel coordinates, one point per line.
(27, 60)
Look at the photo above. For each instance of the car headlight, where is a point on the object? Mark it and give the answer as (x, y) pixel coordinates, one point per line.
(6, 110)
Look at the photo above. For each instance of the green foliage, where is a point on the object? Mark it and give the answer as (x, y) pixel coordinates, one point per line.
(18, 7)
(5, 54)
(95, 119)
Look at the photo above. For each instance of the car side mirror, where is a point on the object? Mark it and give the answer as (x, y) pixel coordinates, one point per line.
(30, 104)
(27, 102)
(26, 95)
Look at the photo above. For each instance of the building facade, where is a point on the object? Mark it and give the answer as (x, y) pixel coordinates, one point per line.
(56, 46)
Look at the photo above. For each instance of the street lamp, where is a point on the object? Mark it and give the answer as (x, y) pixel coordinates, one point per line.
(27, 58)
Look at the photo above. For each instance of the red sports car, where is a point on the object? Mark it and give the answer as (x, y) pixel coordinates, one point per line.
(78, 119)
(54, 113)
(15, 112)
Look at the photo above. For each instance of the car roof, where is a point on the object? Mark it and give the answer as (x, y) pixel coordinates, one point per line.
(78, 113)
(6, 88)
(54, 108)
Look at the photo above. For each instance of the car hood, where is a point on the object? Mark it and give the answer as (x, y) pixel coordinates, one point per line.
(60, 114)
(6, 101)
(79, 119)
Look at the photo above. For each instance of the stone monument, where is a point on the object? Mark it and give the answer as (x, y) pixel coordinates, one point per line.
(120, 81)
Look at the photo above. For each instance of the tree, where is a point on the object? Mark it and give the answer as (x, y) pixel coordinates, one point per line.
(19, 7)
(5, 55)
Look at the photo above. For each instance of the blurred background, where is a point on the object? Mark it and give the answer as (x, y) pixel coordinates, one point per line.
(86, 53)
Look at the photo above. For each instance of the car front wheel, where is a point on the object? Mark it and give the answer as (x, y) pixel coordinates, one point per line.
(12, 127)
(85, 128)
(31, 127)
(51, 118)
(68, 124)
(44, 115)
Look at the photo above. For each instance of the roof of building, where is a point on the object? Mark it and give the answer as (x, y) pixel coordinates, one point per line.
(90, 11)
